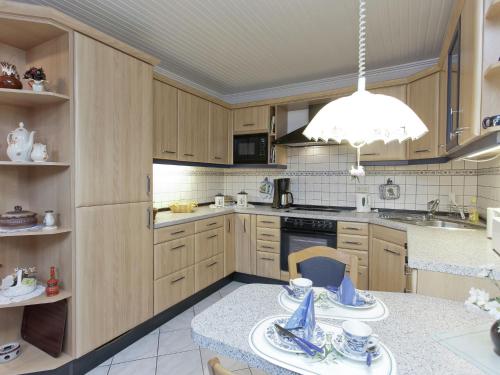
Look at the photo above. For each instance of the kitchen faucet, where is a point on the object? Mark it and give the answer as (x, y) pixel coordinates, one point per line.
(432, 207)
(457, 209)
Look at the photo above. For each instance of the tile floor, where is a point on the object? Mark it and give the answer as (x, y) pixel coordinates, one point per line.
(170, 350)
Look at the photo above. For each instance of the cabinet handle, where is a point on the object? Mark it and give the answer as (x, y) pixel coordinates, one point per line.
(228, 226)
(267, 247)
(212, 264)
(188, 154)
(351, 228)
(177, 247)
(177, 280)
(264, 258)
(267, 222)
(353, 242)
(442, 146)
(211, 236)
(148, 212)
(421, 150)
(168, 152)
(392, 252)
(248, 125)
(210, 224)
(245, 225)
(148, 184)
(217, 158)
(370, 154)
(458, 131)
(267, 235)
(178, 232)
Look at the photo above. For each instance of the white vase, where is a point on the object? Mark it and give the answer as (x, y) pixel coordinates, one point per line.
(38, 86)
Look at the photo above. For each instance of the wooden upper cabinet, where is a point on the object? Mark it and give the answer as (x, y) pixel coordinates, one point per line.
(193, 128)
(424, 99)
(113, 125)
(377, 151)
(165, 121)
(220, 131)
(251, 120)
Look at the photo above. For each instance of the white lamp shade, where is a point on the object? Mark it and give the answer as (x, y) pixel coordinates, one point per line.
(363, 118)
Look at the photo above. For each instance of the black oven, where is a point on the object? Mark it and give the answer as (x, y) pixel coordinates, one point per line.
(250, 149)
(300, 233)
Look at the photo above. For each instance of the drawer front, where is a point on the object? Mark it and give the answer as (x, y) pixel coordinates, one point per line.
(173, 288)
(210, 223)
(395, 236)
(362, 256)
(268, 265)
(173, 232)
(173, 256)
(362, 277)
(346, 227)
(349, 241)
(208, 244)
(209, 271)
(265, 221)
(268, 234)
(268, 246)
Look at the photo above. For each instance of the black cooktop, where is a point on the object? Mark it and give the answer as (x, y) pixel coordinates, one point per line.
(319, 208)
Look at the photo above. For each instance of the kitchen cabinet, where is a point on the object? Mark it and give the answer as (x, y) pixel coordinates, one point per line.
(229, 245)
(245, 250)
(172, 256)
(114, 268)
(352, 239)
(173, 288)
(424, 99)
(193, 128)
(208, 272)
(220, 134)
(268, 238)
(208, 244)
(268, 265)
(378, 151)
(165, 121)
(252, 120)
(113, 125)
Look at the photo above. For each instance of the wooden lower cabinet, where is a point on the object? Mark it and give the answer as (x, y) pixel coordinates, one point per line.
(173, 288)
(354, 242)
(362, 255)
(208, 244)
(242, 232)
(208, 272)
(173, 256)
(268, 265)
(114, 268)
(229, 245)
(387, 266)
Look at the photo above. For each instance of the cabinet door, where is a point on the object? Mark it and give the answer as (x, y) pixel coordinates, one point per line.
(165, 121)
(208, 272)
(193, 128)
(386, 269)
(393, 150)
(251, 120)
(114, 272)
(268, 265)
(423, 98)
(242, 232)
(219, 125)
(229, 245)
(114, 125)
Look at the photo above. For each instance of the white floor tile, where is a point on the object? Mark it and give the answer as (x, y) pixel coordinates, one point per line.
(229, 288)
(207, 302)
(181, 321)
(226, 362)
(101, 370)
(176, 341)
(107, 362)
(146, 347)
(186, 363)
(256, 371)
(140, 367)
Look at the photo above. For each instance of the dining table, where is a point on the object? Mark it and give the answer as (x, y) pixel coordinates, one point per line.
(410, 329)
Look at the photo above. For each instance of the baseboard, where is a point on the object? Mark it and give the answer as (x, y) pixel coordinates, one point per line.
(253, 279)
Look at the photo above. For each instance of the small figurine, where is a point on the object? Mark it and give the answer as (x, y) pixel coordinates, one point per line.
(9, 79)
(52, 283)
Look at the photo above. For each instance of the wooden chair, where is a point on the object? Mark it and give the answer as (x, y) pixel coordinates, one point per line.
(215, 368)
(351, 261)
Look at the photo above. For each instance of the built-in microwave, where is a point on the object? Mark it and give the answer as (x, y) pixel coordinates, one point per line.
(250, 149)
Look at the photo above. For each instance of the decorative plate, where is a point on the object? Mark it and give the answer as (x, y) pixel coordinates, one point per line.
(293, 298)
(286, 344)
(370, 300)
(339, 345)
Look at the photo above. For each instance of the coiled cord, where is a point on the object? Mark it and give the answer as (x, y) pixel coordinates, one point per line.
(362, 39)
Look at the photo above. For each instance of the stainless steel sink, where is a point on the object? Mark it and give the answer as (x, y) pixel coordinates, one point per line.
(423, 221)
(446, 224)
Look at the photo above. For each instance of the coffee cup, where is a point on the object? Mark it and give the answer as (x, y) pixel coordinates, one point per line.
(300, 287)
(358, 336)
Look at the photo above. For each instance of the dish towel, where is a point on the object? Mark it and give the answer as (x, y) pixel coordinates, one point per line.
(347, 292)
(304, 317)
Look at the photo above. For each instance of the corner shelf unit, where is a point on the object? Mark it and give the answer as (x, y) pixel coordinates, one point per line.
(39, 300)
(4, 163)
(41, 232)
(493, 10)
(28, 98)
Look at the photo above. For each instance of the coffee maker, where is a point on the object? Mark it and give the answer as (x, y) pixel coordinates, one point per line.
(282, 196)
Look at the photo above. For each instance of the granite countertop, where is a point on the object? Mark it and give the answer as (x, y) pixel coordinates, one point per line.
(408, 331)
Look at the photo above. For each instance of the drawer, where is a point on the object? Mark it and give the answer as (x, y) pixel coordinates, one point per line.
(173, 256)
(173, 232)
(209, 271)
(395, 236)
(173, 288)
(265, 221)
(268, 246)
(350, 241)
(346, 227)
(208, 244)
(362, 277)
(362, 255)
(210, 223)
(268, 234)
(268, 265)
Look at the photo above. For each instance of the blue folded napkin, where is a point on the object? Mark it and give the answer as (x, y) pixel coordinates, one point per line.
(347, 292)
(304, 317)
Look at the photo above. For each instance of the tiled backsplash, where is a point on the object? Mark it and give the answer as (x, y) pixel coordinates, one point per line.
(319, 176)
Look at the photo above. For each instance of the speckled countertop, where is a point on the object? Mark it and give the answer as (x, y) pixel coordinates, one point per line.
(459, 252)
(408, 331)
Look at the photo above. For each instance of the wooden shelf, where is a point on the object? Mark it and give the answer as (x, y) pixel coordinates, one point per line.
(33, 164)
(36, 232)
(40, 300)
(33, 359)
(494, 10)
(28, 98)
(493, 71)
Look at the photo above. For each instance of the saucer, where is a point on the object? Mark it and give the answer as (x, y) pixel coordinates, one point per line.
(339, 345)
(288, 345)
(370, 300)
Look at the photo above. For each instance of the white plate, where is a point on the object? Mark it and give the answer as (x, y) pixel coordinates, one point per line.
(287, 344)
(333, 297)
(339, 345)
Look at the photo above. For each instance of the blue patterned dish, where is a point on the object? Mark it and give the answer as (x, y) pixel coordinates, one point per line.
(288, 345)
(339, 345)
(369, 299)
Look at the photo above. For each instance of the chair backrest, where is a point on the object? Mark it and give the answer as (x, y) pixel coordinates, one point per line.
(215, 368)
(329, 266)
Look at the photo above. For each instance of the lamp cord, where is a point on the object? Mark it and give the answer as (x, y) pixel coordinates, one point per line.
(362, 44)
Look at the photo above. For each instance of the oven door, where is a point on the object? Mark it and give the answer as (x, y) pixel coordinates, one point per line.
(294, 240)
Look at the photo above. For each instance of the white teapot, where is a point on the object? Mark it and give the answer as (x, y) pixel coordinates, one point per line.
(20, 143)
(39, 153)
